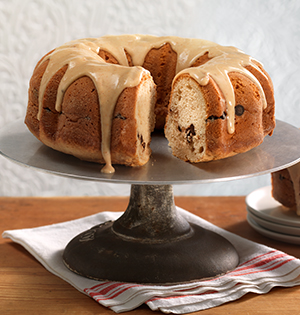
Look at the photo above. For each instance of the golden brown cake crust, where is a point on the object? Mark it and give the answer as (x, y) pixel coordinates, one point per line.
(269, 111)
(76, 129)
(161, 63)
(124, 131)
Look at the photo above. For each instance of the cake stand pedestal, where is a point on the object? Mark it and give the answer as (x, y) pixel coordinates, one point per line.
(151, 242)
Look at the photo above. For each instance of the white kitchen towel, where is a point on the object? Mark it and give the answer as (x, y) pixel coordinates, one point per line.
(261, 268)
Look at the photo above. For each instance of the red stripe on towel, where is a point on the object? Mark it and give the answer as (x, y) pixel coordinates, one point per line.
(259, 264)
(110, 292)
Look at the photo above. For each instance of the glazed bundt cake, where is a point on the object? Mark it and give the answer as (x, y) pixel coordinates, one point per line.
(99, 99)
(286, 187)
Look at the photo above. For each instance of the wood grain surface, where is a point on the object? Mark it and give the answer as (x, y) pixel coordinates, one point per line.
(26, 287)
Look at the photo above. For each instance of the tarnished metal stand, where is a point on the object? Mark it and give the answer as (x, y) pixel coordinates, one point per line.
(150, 243)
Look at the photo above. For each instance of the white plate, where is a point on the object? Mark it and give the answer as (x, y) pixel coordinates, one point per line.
(274, 235)
(261, 203)
(275, 227)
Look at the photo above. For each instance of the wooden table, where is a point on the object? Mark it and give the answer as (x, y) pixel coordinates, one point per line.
(26, 287)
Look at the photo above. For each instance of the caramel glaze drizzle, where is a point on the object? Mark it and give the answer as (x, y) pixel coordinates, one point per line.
(82, 59)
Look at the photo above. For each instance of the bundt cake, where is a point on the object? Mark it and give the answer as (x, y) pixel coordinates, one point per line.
(286, 187)
(99, 99)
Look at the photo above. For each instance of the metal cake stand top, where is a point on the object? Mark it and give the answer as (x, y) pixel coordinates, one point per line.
(277, 152)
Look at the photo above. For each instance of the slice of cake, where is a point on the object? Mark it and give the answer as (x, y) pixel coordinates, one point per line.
(286, 187)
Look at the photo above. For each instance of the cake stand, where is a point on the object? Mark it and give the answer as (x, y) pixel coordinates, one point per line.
(151, 242)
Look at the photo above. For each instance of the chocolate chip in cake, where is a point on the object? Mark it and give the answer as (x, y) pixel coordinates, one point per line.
(213, 117)
(190, 132)
(281, 177)
(143, 143)
(120, 116)
(239, 110)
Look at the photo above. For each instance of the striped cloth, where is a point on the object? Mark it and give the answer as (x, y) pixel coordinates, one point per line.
(261, 268)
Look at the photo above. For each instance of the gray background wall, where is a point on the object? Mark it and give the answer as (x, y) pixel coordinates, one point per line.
(268, 30)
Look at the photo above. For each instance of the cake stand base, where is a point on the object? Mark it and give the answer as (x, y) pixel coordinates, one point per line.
(150, 243)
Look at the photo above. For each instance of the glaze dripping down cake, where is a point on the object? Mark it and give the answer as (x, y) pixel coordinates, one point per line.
(99, 99)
